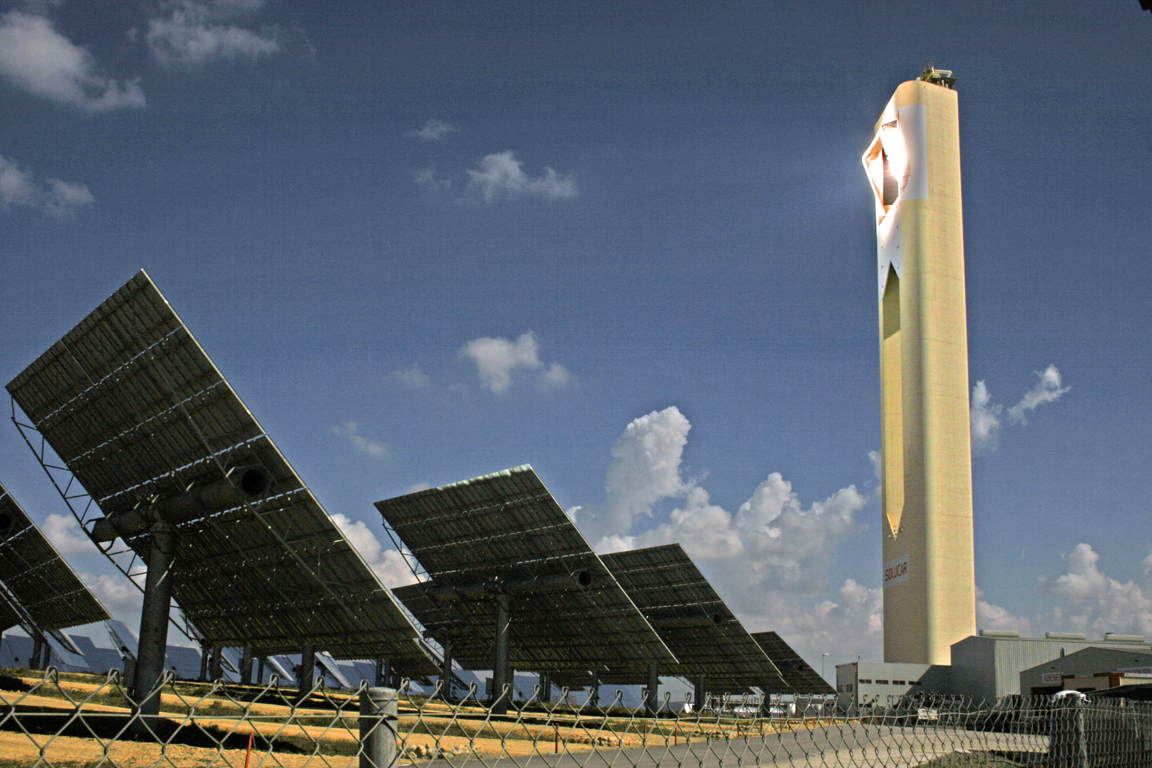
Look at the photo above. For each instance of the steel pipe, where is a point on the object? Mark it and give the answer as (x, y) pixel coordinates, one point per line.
(243, 484)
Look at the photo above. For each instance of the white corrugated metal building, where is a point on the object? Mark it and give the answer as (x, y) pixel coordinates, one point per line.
(988, 666)
(985, 667)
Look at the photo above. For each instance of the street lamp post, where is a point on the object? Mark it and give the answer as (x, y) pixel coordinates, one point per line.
(822, 657)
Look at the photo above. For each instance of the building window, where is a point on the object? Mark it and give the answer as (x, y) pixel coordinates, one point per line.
(898, 682)
(848, 688)
(881, 682)
(865, 682)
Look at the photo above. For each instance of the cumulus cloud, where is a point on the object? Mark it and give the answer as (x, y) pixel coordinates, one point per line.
(118, 594)
(501, 176)
(770, 558)
(351, 430)
(990, 616)
(412, 377)
(388, 564)
(645, 468)
(985, 420)
(65, 534)
(433, 130)
(847, 623)
(38, 59)
(1086, 599)
(1046, 390)
(58, 199)
(498, 361)
(199, 33)
(770, 542)
(985, 416)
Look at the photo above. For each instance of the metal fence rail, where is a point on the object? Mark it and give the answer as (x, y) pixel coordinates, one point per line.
(59, 719)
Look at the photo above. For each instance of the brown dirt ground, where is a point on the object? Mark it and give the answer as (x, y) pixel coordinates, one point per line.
(490, 738)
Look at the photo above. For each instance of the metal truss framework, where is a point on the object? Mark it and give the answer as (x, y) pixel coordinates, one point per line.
(135, 412)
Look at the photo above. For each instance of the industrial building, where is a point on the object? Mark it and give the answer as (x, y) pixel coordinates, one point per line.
(913, 164)
(862, 683)
(988, 666)
(1088, 670)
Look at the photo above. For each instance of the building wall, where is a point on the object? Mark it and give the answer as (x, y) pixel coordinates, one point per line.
(1083, 663)
(929, 584)
(879, 683)
(987, 667)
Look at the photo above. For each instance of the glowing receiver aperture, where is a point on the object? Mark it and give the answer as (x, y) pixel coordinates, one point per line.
(897, 165)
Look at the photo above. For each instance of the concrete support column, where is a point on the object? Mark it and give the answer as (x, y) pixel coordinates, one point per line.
(215, 664)
(766, 702)
(446, 672)
(154, 617)
(701, 696)
(652, 695)
(246, 665)
(594, 697)
(379, 717)
(205, 652)
(501, 679)
(260, 672)
(307, 677)
(37, 660)
(392, 678)
(545, 687)
(379, 681)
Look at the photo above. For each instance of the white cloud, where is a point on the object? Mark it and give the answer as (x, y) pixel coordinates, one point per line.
(433, 130)
(770, 543)
(412, 377)
(499, 360)
(427, 180)
(1046, 390)
(351, 430)
(65, 534)
(59, 200)
(388, 564)
(847, 623)
(556, 376)
(985, 420)
(501, 176)
(1087, 600)
(199, 33)
(118, 594)
(989, 616)
(985, 416)
(38, 59)
(645, 468)
(770, 559)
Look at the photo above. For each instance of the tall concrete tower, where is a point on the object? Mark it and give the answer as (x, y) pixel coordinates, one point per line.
(914, 167)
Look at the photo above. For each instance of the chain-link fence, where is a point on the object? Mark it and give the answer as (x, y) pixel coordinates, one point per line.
(62, 719)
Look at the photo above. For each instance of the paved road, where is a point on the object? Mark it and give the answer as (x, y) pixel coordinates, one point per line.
(834, 746)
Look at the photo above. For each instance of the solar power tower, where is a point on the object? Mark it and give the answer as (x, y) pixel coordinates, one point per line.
(178, 470)
(515, 585)
(798, 674)
(714, 649)
(39, 591)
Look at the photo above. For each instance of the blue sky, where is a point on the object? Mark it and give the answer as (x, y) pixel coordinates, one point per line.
(630, 244)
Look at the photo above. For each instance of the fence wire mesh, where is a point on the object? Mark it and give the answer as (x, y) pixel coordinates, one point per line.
(65, 719)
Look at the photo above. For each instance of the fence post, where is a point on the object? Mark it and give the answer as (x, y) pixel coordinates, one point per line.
(379, 715)
(1081, 754)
